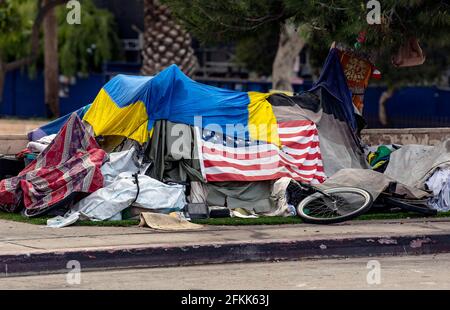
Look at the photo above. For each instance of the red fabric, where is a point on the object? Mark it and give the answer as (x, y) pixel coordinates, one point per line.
(71, 163)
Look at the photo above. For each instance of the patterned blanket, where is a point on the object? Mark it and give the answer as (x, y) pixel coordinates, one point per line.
(70, 164)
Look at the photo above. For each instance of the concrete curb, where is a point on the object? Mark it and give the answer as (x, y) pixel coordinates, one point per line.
(219, 253)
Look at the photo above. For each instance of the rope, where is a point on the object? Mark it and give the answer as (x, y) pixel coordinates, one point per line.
(136, 179)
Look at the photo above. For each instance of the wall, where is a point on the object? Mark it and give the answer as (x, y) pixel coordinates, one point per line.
(426, 136)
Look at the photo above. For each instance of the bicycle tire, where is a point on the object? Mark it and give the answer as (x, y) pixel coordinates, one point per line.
(302, 206)
(406, 205)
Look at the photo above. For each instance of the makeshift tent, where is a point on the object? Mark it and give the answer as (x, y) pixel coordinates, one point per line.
(329, 105)
(130, 105)
(311, 135)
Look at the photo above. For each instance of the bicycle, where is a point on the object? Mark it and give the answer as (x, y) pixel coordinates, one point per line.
(328, 206)
(339, 204)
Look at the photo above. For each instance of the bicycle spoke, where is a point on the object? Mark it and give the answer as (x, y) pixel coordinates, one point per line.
(334, 205)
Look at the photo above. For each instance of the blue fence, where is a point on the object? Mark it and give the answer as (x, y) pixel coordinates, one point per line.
(409, 107)
(24, 97)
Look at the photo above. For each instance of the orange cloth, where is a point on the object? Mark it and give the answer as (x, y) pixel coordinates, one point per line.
(358, 72)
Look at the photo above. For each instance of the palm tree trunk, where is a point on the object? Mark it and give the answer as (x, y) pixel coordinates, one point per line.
(165, 41)
(51, 71)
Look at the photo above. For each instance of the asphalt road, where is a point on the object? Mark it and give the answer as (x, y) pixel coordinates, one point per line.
(408, 272)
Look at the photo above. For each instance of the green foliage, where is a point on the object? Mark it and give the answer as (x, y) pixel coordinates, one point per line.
(82, 47)
(257, 53)
(16, 20)
(86, 46)
(225, 20)
(9, 17)
(328, 21)
(342, 20)
(428, 21)
(252, 25)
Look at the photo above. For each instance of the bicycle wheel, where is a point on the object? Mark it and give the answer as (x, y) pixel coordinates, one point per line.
(334, 205)
(419, 206)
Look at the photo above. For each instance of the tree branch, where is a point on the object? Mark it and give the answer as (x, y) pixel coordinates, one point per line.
(256, 22)
(43, 10)
(332, 7)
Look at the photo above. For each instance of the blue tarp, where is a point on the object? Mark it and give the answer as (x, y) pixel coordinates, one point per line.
(333, 80)
(55, 126)
(173, 96)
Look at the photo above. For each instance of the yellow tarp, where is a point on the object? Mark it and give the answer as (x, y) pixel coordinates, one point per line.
(107, 119)
(262, 122)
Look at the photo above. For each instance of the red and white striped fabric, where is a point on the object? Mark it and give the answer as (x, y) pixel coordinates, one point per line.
(298, 158)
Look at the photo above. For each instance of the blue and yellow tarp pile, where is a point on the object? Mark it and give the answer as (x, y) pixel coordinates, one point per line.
(129, 106)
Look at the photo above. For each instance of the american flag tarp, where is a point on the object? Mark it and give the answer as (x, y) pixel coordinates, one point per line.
(70, 164)
(224, 158)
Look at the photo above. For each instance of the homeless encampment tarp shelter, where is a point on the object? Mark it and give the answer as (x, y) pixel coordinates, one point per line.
(130, 106)
(306, 137)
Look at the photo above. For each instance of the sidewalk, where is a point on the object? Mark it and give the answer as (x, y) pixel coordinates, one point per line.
(30, 249)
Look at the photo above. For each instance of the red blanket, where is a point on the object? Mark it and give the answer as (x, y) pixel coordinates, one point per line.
(71, 163)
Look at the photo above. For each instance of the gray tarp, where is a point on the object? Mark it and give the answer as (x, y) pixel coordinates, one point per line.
(125, 161)
(372, 181)
(414, 164)
(253, 196)
(172, 152)
(338, 146)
